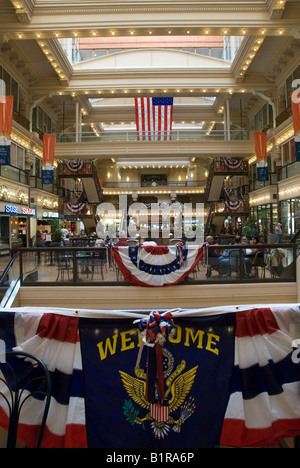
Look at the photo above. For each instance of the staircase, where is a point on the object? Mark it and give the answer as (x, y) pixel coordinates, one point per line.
(219, 169)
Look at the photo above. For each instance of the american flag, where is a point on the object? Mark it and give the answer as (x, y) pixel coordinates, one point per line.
(154, 118)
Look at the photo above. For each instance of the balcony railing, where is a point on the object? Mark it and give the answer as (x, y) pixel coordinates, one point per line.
(14, 173)
(169, 184)
(36, 182)
(290, 170)
(70, 266)
(175, 135)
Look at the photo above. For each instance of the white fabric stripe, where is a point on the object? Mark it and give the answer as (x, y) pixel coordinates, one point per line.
(156, 127)
(260, 349)
(132, 313)
(58, 417)
(25, 327)
(151, 121)
(157, 259)
(55, 354)
(263, 410)
(157, 279)
(146, 119)
(162, 123)
(169, 123)
(140, 118)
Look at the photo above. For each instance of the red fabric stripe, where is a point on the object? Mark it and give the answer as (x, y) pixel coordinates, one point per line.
(236, 434)
(58, 327)
(128, 276)
(159, 122)
(255, 322)
(137, 117)
(74, 437)
(159, 250)
(166, 123)
(148, 114)
(143, 117)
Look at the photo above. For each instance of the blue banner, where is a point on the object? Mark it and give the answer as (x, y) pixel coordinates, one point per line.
(197, 365)
(47, 176)
(297, 148)
(5, 155)
(262, 173)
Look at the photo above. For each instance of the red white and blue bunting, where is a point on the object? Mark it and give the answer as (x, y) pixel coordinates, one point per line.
(233, 164)
(76, 207)
(233, 205)
(157, 265)
(74, 166)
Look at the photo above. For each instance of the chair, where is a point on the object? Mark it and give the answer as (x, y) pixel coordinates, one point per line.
(234, 262)
(99, 259)
(21, 379)
(63, 264)
(259, 265)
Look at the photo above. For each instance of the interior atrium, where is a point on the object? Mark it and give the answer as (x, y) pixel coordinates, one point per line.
(92, 73)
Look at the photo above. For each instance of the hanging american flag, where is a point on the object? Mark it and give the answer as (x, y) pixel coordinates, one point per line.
(154, 118)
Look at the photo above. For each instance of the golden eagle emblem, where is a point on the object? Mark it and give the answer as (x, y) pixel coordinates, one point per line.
(178, 386)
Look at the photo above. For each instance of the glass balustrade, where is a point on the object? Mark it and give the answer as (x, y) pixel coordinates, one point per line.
(96, 266)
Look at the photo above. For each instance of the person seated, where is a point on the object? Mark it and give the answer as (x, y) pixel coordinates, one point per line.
(236, 254)
(215, 259)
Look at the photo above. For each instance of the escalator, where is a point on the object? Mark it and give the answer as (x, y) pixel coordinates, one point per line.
(10, 277)
(9, 282)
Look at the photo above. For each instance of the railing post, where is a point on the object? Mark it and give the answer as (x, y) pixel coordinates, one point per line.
(21, 267)
(75, 278)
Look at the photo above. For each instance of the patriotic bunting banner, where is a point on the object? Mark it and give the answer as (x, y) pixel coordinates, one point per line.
(154, 118)
(76, 207)
(233, 164)
(296, 123)
(6, 113)
(233, 205)
(260, 139)
(48, 159)
(74, 166)
(156, 265)
(229, 376)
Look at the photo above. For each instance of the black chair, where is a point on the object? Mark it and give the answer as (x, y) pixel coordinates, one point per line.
(23, 376)
(259, 265)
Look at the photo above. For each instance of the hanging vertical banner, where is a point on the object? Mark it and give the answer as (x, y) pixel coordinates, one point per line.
(6, 112)
(260, 139)
(48, 158)
(296, 122)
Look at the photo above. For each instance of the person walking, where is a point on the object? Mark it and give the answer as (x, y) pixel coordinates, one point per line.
(278, 233)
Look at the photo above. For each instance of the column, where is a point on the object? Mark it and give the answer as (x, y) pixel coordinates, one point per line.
(227, 110)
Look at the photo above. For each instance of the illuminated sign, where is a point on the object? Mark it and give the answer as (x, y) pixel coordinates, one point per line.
(50, 214)
(28, 211)
(11, 209)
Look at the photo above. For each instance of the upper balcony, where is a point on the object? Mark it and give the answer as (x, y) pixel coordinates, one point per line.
(102, 144)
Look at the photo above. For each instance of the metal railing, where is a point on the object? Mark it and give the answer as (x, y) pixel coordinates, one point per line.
(81, 266)
(174, 135)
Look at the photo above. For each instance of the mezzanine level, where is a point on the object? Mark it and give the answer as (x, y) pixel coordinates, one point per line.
(122, 144)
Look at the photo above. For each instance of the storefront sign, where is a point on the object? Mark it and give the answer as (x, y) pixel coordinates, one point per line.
(28, 211)
(11, 209)
(50, 214)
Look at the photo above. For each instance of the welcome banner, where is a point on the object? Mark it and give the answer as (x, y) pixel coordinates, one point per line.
(260, 139)
(231, 376)
(48, 158)
(6, 112)
(296, 122)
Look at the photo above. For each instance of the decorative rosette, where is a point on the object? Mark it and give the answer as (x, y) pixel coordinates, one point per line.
(156, 328)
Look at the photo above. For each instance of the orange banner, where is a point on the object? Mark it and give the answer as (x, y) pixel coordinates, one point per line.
(296, 116)
(260, 139)
(6, 113)
(48, 149)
